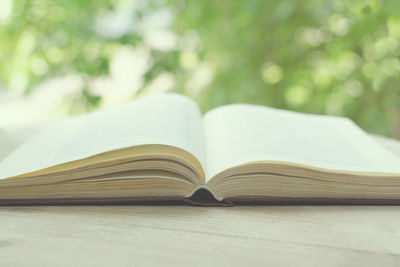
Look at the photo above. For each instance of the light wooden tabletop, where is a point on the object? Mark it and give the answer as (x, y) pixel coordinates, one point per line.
(193, 236)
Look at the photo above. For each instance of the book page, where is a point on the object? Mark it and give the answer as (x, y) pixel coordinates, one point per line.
(164, 119)
(11, 139)
(240, 134)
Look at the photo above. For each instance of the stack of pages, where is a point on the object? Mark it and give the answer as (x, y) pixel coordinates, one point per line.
(160, 148)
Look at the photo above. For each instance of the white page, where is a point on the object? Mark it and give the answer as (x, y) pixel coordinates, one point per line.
(164, 119)
(239, 134)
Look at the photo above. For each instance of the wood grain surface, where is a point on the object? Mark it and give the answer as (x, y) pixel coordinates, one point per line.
(199, 236)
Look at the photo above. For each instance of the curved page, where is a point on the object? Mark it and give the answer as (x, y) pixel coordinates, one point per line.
(240, 134)
(164, 119)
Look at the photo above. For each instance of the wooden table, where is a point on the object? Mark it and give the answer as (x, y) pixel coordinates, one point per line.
(193, 236)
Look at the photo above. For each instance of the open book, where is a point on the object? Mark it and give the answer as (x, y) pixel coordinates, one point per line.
(160, 148)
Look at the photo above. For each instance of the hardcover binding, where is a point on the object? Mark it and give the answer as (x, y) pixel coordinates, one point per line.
(114, 201)
(90, 201)
(228, 202)
(310, 201)
(201, 197)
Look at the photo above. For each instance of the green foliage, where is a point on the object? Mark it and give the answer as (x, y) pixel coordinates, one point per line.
(329, 57)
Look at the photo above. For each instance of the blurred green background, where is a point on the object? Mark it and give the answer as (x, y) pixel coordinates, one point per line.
(327, 57)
